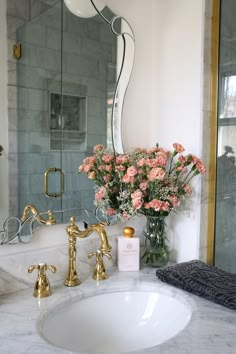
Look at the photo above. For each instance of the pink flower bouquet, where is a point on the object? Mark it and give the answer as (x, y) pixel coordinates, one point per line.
(152, 182)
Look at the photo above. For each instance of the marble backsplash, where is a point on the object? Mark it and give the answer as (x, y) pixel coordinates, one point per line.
(50, 245)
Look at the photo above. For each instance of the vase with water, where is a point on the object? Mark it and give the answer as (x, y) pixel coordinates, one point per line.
(155, 250)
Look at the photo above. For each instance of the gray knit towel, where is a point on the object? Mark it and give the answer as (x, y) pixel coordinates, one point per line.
(203, 280)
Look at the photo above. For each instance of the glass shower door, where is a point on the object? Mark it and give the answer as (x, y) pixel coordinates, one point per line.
(38, 75)
(65, 79)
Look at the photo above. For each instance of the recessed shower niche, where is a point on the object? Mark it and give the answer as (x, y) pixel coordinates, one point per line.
(67, 127)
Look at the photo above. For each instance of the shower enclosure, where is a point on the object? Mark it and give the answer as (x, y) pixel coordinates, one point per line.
(65, 79)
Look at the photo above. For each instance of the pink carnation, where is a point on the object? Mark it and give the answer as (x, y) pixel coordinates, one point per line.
(141, 150)
(142, 162)
(147, 205)
(165, 206)
(92, 175)
(86, 160)
(127, 179)
(160, 149)
(132, 171)
(137, 203)
(120, 168)
(155, 204)
(100, 193)
(174, 200)
(152, 162)
(200, 167)
(121, 159)
(182, 159)
(178, 147)
(92, 159)
(98, 147)
(81, 168)
(107, 178)
(181, 168)
(161, 159)
(143, 185)
(188, 189)
(156, 173)
(195, 159)
(108, 168)
(152, 150)
(137, 194)
(108, 158)
(87, 168)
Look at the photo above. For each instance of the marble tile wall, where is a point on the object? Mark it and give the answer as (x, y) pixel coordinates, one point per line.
(87, 51)
(17, 15)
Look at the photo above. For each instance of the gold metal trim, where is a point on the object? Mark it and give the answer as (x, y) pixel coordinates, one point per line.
(213, 129)
(47, 172)
(32, 209)
(16, 50)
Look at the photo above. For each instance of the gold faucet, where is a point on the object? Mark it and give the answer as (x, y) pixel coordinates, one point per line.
(31, 208)
(73, 232)
(42, 285)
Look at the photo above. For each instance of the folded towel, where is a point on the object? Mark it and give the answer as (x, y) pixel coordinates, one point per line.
(203, 280)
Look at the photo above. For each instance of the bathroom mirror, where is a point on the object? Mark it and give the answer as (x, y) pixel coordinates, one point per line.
(225, 123)
(66, 93)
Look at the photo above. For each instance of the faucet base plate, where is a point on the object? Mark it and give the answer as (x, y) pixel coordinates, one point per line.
(74, 282)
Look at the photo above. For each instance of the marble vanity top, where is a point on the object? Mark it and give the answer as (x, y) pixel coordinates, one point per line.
(211, 330)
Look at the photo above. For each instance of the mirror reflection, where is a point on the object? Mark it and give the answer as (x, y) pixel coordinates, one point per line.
(66, 97)
(225, 242)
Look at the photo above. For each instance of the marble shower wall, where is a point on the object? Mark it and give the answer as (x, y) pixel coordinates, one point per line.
(88, 65)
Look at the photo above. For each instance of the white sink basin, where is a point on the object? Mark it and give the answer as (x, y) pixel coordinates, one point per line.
(117, 322)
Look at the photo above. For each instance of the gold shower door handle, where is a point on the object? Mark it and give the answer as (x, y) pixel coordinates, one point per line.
(47, 172)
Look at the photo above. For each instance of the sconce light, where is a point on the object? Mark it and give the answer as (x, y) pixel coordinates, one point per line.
(84, 8)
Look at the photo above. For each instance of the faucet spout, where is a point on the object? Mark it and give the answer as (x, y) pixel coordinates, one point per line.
(73, 230)
(32, 209)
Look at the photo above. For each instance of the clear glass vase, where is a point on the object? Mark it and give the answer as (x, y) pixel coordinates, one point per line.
(155, 251)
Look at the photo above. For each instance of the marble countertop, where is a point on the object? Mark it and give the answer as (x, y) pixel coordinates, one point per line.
(211, 330)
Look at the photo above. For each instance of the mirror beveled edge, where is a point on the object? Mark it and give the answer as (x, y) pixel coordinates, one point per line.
(116, 115)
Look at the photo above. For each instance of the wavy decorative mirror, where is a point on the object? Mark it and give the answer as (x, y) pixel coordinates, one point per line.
(66, 97)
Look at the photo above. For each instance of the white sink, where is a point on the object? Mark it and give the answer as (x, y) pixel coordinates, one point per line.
(117, 322)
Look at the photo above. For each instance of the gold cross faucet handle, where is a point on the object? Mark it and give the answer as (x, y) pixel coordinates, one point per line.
(99, 271)
(42, 285)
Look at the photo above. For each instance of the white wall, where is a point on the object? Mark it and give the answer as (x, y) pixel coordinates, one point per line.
(164, 99)
(179, 102)
(3, 114)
